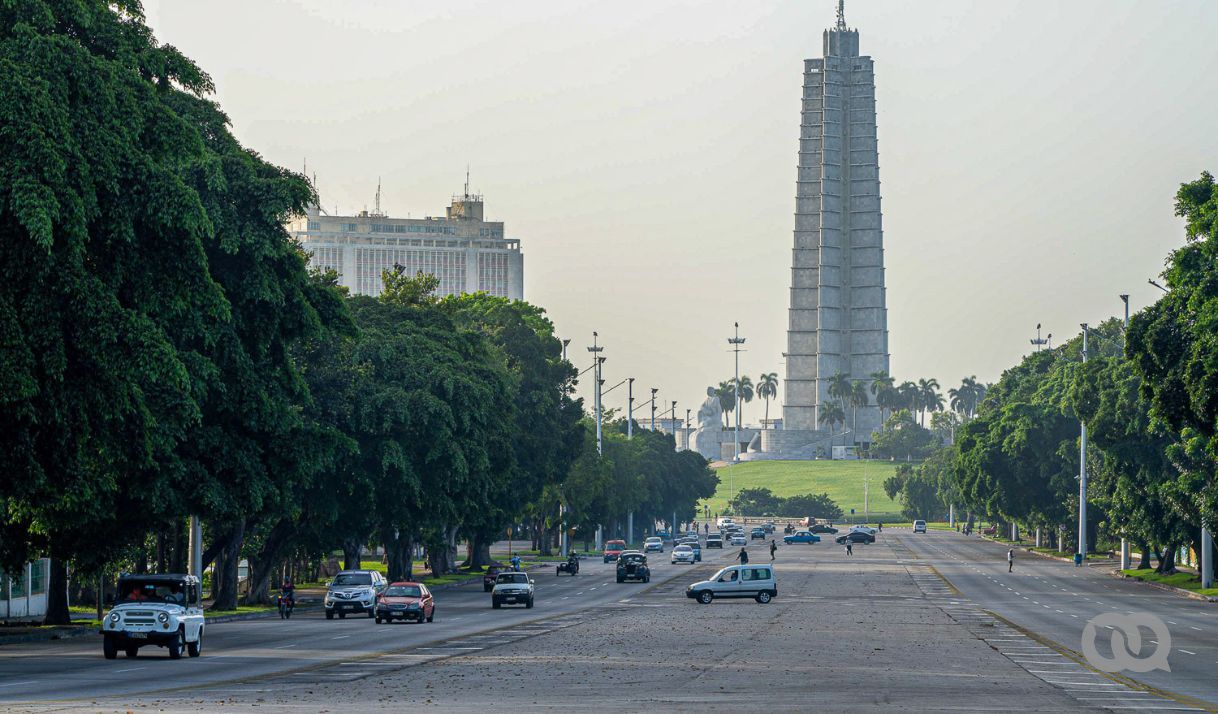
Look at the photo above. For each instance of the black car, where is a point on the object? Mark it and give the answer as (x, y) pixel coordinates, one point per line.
(757, 533)
(855, 537)
(822, 528)
(632, 565)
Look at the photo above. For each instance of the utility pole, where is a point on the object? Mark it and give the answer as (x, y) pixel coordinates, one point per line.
(687, 413)
(674, 426)
(564, 349)
(735, 342)
(1124, 337)
(630, 408)
(653, 407)
(1082, 472)
(596, 350)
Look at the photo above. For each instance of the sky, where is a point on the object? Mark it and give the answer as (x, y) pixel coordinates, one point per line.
(644, 154)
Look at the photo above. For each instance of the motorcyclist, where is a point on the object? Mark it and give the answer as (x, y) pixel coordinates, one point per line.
(287, 592)
(572, 561)
(516, 563)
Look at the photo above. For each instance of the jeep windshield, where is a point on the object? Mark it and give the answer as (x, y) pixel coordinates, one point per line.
(151, 591)
(352, 579)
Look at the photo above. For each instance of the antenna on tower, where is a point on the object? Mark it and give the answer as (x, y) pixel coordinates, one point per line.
(467, 182)
(841, 14)
(378, 196)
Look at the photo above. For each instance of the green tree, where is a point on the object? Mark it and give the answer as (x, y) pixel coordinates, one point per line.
(726, 391)
(831, 415)
(857, 398)
(746, 392)
(755, 502)
(885, 392)
(840, 389)
(767, 389)
(818, 505)
(903, 438)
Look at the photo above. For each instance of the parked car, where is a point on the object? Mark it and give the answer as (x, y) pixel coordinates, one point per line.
(714, 541)
(512, 588)
(801, 537)
(919, 526)
(683, 554)
(757, 534)
(864, 528)
(405, 601)
(613, 549)
(489, 577)
(632, 565)
(654, 544)
(755, 581)
(822, 528)
(162, 610)
(738, 539)
(353, 592)
(855, 537)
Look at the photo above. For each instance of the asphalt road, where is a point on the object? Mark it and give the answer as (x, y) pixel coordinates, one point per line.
(1056, 599)
(75, 669)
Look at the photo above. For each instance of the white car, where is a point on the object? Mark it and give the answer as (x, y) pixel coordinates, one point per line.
(755, 581)
(724, 522)
(512, 588)
(739, 539)
(866, 529)
(683, 554)
(919, 526)
(162, 610)
(653, 543)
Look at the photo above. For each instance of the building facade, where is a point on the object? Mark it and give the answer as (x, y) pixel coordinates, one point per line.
(467, 253)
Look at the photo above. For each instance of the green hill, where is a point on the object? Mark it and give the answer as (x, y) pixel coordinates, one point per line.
(842, 480)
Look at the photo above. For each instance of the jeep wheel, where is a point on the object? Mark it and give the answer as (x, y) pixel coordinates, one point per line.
(705, 597)
(763, 597)
(647, 578)
(529, 604)
(495, 604)
(132, 652)
(378, 620)
(329, 614)
(194, 649)
(175, 646)
(109, 648)
(342, 615)
(620, 579)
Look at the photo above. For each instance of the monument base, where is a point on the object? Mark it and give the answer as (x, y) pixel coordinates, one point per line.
(793, 444)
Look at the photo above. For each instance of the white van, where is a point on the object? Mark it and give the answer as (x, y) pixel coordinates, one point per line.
(755, 581)
(919, 526)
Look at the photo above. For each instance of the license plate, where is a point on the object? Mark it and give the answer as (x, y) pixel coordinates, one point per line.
(398, 611)
(138, 635)
(346, 605)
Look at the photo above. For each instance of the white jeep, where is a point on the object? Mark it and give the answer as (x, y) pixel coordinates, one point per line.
(162, 610)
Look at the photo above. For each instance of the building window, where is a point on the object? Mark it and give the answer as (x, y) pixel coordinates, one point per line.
(38, 577)
(314, 226)
(350, 227)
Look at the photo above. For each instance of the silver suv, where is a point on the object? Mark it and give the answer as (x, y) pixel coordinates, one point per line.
(354, 592)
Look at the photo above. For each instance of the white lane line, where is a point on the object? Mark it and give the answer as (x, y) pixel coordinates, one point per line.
(340, 637)
(371, 664)
(281, 647)
(1187, 652)
(1198, 629)
(18, 684)
(129, 669)
(451, 648)
(1172, 623)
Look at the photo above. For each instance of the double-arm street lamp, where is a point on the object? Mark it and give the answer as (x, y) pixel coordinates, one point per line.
(735, 342)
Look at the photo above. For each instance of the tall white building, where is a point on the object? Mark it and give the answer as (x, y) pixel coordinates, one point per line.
(468, 254)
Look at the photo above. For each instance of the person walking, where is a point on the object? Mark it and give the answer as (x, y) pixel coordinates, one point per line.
(773, 549)
(743, 557)
(849, 547)
(881, 527)
(1011, 560)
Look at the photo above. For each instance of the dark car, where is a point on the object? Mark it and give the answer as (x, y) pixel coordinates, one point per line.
(822, 528)
(405, 601)
(492, 572)
(757, 534)
(632, 565)
(855, 537)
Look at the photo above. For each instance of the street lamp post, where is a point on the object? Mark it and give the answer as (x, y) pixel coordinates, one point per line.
(1082, 472)
(653, 407)
(674, 426)
(564, 349)
(735, 342)
(1124, 332)
(596, 350)
(687, 413)
(630, 408)
(1038, 341)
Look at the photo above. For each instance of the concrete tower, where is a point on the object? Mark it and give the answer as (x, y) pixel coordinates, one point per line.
(838, 318)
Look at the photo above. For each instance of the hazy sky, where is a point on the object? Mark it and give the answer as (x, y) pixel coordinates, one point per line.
(644, 153)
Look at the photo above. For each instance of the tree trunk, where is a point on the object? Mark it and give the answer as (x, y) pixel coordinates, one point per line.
(767, 412)
(1167, 560)
(398, 549)
(264, 565)
(177, 550)
(57, 594)
(225, 577)
(351, 551)
(1144, 562)
(479, 553)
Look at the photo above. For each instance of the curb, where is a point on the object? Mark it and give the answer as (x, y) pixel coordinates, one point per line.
(47, 636)
(1165, 587)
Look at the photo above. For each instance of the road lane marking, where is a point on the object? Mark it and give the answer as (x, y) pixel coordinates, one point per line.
(17, 684)
(340, 637)
(130, 669)
(282, 647)
(1187, 652)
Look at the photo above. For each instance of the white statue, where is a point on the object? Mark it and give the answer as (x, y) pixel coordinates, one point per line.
(710, 424)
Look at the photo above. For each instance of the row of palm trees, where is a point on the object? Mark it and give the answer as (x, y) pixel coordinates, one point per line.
(766, 388)
(920, 398)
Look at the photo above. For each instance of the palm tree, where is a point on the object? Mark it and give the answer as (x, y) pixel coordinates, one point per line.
(832, 414)
(884, 391)
(839, 388)
(929, 398)
(908, 396)
(967, 398)
(858, 398)
(746, 393)
(767, 389)
(726, 392)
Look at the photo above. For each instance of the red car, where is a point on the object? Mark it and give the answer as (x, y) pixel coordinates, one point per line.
(405, 601)
(492, 572)
(613, 549)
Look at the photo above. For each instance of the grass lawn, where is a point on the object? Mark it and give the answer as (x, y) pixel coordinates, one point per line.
(842, 480)
(1187, 581)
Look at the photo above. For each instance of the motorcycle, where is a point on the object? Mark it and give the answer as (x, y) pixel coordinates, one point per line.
(287, 603)
(571, 567)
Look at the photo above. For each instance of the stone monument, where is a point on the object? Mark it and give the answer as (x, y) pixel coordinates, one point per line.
(709, 434)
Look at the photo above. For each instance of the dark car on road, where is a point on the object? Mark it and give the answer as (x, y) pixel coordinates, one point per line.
(855, 537)
(492, 572)
(757, 533)
(822, 528)
(632, 565)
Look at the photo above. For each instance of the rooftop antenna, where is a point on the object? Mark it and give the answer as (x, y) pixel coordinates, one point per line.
(841, 14)
(467, 182)
(378, 196)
